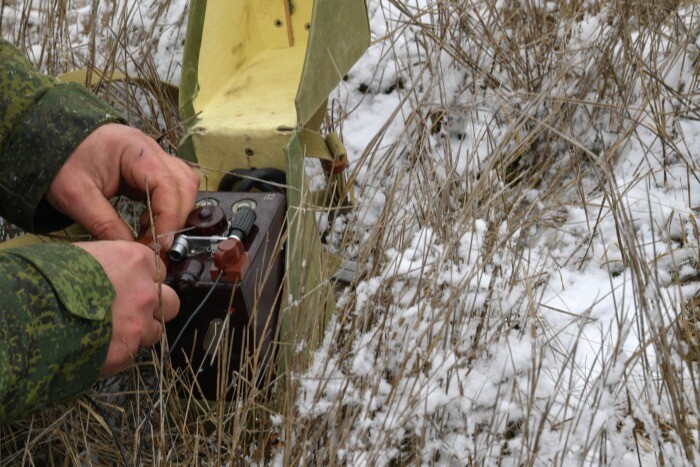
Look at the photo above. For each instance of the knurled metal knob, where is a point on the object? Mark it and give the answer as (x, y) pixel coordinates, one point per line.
(243, 222)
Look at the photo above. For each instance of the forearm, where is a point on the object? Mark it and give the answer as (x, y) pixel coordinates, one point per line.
(42, 121)
(55, 326)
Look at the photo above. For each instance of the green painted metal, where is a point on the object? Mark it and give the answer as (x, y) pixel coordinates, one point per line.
(189, 85)
(339, 36)
(304, 317)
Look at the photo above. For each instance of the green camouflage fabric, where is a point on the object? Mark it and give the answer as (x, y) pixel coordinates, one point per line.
(55, 299)
(41, 122)
(54, 329)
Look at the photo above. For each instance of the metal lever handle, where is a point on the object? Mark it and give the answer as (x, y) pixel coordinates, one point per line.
(183, 244)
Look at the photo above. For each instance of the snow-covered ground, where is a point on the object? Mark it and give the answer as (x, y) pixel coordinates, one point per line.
(533, 310)
(581, 295)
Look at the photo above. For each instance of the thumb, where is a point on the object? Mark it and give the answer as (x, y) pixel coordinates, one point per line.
(95, 213)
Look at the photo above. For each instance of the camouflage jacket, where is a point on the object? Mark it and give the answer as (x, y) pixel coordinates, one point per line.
(55, 299)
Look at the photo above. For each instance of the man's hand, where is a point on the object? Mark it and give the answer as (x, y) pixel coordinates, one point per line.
(141, 305)
(117, 159)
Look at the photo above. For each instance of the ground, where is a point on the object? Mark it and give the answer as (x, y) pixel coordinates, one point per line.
(527, 185)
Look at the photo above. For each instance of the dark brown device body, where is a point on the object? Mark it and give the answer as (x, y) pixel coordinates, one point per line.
(233, 334)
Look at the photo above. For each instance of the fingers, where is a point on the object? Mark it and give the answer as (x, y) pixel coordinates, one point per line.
(142, 304)
(116, 159)
(118, 358)
(169, 304)
(152, 334)
(171, 183)
(86, 204)
(159, 268)
(166, 310)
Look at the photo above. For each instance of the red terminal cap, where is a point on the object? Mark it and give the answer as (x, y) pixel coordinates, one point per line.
(231, 258)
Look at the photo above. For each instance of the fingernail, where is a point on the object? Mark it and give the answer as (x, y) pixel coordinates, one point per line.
(169, 239)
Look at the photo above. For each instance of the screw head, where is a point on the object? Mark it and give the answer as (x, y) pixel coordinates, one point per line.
(205, 213)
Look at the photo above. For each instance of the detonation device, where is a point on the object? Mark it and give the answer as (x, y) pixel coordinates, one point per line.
(228, 260)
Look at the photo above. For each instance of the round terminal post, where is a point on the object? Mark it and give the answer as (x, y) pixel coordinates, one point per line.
(179, 249)
(189, 274)
(185, 281)
(228, 253)
(230, 259)
(207, 220)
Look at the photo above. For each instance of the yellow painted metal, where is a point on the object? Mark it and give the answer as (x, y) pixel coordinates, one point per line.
(263, 68)
(248, 76)
(233, 34)
(301, 21)
(227, 150)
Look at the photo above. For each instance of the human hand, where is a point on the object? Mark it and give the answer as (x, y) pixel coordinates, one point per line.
(142, 304)
(116, 159)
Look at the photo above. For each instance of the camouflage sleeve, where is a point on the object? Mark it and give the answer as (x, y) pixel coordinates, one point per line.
(42, 121)
(55, 326)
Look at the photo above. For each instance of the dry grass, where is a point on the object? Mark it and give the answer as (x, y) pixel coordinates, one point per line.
(509, 121)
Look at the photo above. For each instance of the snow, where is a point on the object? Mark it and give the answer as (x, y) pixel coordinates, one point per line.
(471, 348)
(584, 349)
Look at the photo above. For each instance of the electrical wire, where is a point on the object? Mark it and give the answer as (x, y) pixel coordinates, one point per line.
(102, 414)
(164, 359)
